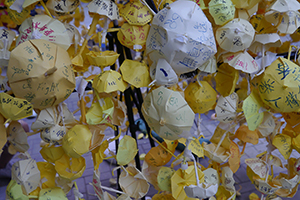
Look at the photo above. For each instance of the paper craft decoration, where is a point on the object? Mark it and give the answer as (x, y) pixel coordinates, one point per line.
(284, 14)
(226, 79)
(236, 35)
(226, 108)
(6, 39)
(167, 113)
(52, 153)
(150, 172)
(257, 166)
(127, 150)
(162, 73)
(140, 77)
(241, 61)
(200, 96)
(263, 42)
(244, 134)
(14, 191)
(136, 13)
(100, 112)
(70, 168)
(210, 66)
(54, 134)
(216, 153)
(17, 137)
(179, 37)
(221, 11)
(163, 197)
(279, 86)
(77, 141)
(119, 114)
(27, 174)
(265, 187)
(44, 72)
(261, 25)
(158, 156)
(60, 7)
(97, 135)
(292, 119)
(14, 108)
(98, 154)
(52, 193)
(246, 13)
(104, 7)
(46, 28)
(102, 58)
(133, 182)
(283, 143)
(109, 81)
(267, 126)
(164, 178)
(16, 13)
(48, 172)
(245, 4)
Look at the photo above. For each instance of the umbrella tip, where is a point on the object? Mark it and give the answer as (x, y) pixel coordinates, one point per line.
(162, 122)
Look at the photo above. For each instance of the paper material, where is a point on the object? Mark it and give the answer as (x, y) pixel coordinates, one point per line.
(60, 7)
(241, 61)
(221, 129)
(264, 187)
(209, 66)
(262, 26)
(223, 193)
(97, 185)
(15, 16)
(104, 7)
(133, 182)
(162, 197)
(227, 179)
(70, 168)
(257, 166)
(219, 156)
(226, 108)
(167, 113)
(235, 156)
(102, 58)
(53, 153)
(109, 81)
(120, 111)
(100, 114)
(140, 77)
(98, 154)
(52, 193)
(244, 134)
(158, 156)
(26, 173)
(194, 146)
(127, 150)
(279, 86)
(97, 135)
(182, 35)
(246, 13)
(226, 79)
(48, 173)
(133, 37)
(14, 191)
(17, 136)
(266, 40)
(267, 126)
(136, 13)
(44, 72)
(164, 178)
(200, 97)
(283, 143)
(54, 134)
(6, 39)
(245, 4)
(14, 108)
(151, 172)
(222, 11)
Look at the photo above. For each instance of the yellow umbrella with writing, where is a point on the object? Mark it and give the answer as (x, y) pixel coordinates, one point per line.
(226, 108)
(226, 79)
(221, 10)
(245, 4)
(102, 58)
(61, 7)
(14, 191)
(52, 193)
(16, 13)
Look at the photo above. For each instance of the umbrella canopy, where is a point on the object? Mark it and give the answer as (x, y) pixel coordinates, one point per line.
(17, 15)
(52, 153)
(46, 28)
(102, 58)
(265, 41)
(52, 193)
(100, 112)
(222, 11)
(241, 61)
(140, 77)
(236, 35)
(48, 173)
(27, 174)
(104, 7)
(168, 114)
(210, 66)
(61, 7)
(244, 134)
(279, 86)
(267, 126)
(119, 114)
(226, 108)
(53, 134)
(136, 13)
(226, 79)
(6, 39)
(157, 156)
(182, 35)
(109, 81)
(245, 4)
(44, 72)
(164, 178)
(261, 25)
(97, 135)
(127, 150)
(14, 191)
(219, 155)
(17, 136)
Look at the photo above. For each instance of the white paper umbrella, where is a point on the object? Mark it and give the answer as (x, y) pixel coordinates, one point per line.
(17, 136)
(104, 7)
(182, 34)
(265, 41)
(241, 61)
(6, 38)
(226, 108)
(27, 174)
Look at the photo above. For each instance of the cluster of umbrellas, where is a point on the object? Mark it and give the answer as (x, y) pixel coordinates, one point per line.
(216, 55)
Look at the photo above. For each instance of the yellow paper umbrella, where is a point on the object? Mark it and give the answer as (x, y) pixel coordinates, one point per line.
(17, 14)
(210, 66)
(46, 28)
(283, 143)
(48, 173)
(221, 11)
(44, 72)
(127, 150)
(236, 35)
(246, 13)
(6, 39)
(109, 81)
(17, 137)
(293, 119)
(54, 134)
(97, 135)
(102, 58)
(98, 154)
(226, 108)
(245, 4)
(14, 191)
(241, 61)
(119, 114)
(164, 178)
(140, 77)
(253, 110)
(136, 13)
(52, 193)
(284, 14)
(77, 141)
(226, 79)
(263, 42)
(158, 156)
(279, 86)
(100, 112)
(27, 174)
(227, 179)
(267, 126)
(218, 155)
(31, 3)
(60, 7)
(262, 26)
(70, 168)
(52, 153)
(133, 37)
(14, 108)
(244, 134)
(133, 182)
(200, 96)
(168, 114)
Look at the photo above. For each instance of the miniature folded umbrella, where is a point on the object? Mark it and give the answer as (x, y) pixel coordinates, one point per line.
(163, 197)
(52, 193)
(226, 79)
(46, 28)
(162, 73)
(150, 172)
(140, 77)
(246, 13)
(109, 81)
(267, 126)
(261, 25)
(133, 182)
(215, 153)
(168, 114)
(97, 135)
(98, 154)
(262, 42)
(48, 173)
(6, 39)
(70, 168)
(227, 179)
(31, 3)
(13, 108)
(293, 119)
(133, 37)
(265, 187)
(183, 35)
(52, 153)
(285, 15)
(15, 11)
(234, 160)
(244, 134)
(283, 143)
(48, 77)
(26, 173)
(158, 156)
(54, 134)
(257, 166)
(73, 34)
(100, 112)
(236, 35)
(102, 58)
(164, 178)
(223, 193)
(59, 7)
(200, 96)
(127, 150)
(119, 114)
(279, 86)
(77, 141)
(14, 191)
(241, 61)
(17, 137)
(222, 11)
(245, 4)
(226, 108)
(209, 66)
(136, 13)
